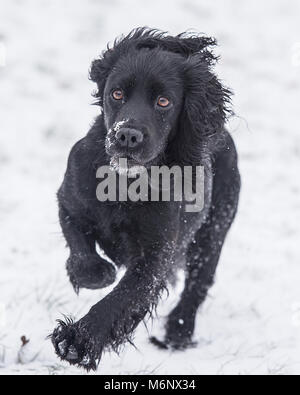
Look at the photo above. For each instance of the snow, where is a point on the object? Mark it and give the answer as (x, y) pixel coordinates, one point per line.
(250, 323)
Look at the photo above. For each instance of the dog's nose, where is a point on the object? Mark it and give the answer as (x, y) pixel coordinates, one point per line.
(128, 137)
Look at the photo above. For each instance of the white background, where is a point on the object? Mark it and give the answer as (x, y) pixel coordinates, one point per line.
(250, 323)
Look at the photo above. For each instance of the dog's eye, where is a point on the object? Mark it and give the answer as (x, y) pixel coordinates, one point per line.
(163, 101)
(118, 94)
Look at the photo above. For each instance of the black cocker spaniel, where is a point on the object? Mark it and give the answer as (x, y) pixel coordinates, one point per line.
(162, 105)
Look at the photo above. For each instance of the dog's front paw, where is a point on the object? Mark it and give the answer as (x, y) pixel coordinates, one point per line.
(90, 271)
(180, 328)
(73, 344)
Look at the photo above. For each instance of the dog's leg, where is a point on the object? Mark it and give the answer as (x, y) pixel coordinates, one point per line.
(85, 267)
(203, 255)
(112, 321)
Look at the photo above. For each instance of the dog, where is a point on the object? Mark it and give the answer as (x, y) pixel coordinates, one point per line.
(161, 104)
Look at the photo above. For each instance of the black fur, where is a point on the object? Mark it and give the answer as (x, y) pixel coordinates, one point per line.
(148, 238)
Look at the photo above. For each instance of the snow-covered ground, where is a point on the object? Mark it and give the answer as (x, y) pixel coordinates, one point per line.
(250, 324)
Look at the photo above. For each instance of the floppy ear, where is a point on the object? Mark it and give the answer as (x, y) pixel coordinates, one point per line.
(100, 70)
(205, 110)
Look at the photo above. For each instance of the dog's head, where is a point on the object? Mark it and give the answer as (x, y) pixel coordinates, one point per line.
(159, 96)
